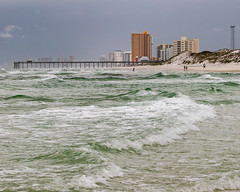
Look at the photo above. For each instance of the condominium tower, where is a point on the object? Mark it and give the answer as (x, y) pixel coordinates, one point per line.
(127, 56)
(191, 45)
(141, 45)
(164, 52)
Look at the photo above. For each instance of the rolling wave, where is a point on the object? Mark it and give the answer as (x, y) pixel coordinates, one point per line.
(29, 98)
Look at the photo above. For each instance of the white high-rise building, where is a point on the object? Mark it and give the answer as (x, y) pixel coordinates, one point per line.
(164, 52)
(103, 58)
(118, 55)
(127, 56)
(111, 57)
(72, 58)
(60, 58)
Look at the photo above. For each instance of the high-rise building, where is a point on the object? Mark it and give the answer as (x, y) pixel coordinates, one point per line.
(127, 56)
(72, 58)
(141, 44)
(60, 58)
(191, 45)
(164, 52)
(103, 58)
(118, 55)
(111, 57)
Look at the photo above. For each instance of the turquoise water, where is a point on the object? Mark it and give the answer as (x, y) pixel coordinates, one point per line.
(119, 130)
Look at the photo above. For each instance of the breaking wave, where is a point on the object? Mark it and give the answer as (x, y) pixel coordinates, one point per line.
(92, 181)
(173, 117)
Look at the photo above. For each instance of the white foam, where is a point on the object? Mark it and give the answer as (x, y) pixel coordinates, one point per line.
(17, 171)
(124, 144)
(83, 181)
(48, 77)
(146, 93)
(111, 172)
(59, 183)
(163, 139)
(131, 126)
(102, 176)
(186, 113)
(208, 76)
(2, 70)
(222, 184)
(179, 117)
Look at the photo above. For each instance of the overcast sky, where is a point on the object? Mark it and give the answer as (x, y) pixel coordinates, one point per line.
(87, 29)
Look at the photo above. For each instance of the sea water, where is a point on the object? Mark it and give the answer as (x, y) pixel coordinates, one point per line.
(119, 130)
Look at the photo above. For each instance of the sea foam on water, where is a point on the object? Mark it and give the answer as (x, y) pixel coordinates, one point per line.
(180, 114)
(102, 176)
(115, 130)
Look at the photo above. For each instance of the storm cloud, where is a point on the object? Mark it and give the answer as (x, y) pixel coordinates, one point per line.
(87, 29)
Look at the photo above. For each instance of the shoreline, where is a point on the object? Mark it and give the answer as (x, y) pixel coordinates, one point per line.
(210, 67)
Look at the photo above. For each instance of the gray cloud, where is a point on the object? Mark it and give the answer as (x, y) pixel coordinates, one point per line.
(217, 29)
(7, 31)
(90, 28)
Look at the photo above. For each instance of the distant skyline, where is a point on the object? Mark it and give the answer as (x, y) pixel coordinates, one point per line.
(87, 29)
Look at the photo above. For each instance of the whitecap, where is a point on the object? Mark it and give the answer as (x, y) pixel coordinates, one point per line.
(83, 181)
(146, 93)
(89, 182)
(131, 126)
(178, 116)
(210, 77)
(49, 77)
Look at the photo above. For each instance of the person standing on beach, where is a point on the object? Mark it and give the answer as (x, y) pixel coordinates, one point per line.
(204, 65)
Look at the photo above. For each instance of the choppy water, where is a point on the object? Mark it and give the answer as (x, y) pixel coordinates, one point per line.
(119, 130)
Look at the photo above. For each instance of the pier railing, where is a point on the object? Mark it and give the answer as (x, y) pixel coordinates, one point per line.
(75, 64)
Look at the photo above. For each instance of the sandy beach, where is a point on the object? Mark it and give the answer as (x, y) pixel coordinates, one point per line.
(210, 67)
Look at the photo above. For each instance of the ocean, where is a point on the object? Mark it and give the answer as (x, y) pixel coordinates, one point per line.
(118, 130)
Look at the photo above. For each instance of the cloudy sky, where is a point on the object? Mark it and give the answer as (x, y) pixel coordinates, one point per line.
(87, 29)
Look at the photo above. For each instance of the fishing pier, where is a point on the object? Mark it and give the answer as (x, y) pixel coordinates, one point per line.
(74, 64)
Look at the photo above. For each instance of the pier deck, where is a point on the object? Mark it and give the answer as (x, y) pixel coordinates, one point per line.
(74, 64)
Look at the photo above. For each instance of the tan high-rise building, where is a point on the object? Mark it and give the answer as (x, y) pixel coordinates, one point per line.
(141, 45)
(191, 45)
